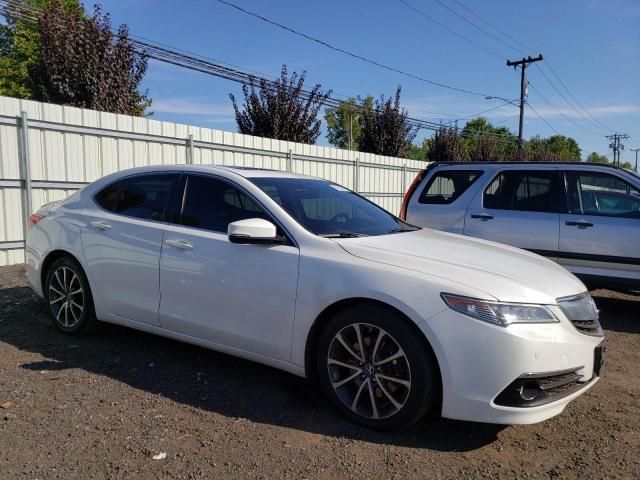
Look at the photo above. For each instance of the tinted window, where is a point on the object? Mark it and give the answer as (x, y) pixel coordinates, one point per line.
(107, 197)
(145, 196)
(213, 204)
(325, 208)
(601, 194)
(531, 191)
(445, 187)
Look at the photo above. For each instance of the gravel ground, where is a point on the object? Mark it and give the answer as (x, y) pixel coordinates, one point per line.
(102, 406)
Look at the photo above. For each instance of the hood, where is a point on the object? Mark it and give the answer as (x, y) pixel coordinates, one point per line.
(503, 272)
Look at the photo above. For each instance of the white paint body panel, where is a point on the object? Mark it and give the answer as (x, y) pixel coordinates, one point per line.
(261, 301)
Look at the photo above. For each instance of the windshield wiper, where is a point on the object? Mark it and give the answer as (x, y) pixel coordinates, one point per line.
(343, 235)
(400, 230)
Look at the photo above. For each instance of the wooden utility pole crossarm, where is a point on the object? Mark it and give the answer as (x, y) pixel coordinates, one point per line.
(523, 88)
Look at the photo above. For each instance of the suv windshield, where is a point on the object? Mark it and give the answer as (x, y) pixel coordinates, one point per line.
(329, 210)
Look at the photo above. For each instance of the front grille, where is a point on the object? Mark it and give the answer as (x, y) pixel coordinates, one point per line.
(583, 313)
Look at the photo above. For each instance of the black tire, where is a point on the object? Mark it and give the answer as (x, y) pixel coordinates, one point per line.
(397, 405)
(66, 284)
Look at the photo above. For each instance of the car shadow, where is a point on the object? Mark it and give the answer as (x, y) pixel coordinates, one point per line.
(619, 312)
(208, 380)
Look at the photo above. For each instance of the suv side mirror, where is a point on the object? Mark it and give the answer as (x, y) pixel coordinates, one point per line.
(253, 231)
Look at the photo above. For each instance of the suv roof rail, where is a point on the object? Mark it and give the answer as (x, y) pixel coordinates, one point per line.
(512, 162)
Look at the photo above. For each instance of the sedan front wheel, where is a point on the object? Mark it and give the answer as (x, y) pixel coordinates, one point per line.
(375, 368)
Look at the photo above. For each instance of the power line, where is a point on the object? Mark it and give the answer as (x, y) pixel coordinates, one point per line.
(597, 124)
(541, 117)
(351, 54)
(450, 30)
(560, 113)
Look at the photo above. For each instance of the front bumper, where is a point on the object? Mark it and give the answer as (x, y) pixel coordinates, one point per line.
(479, 361)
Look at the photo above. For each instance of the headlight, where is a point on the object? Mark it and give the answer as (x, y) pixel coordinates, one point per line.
(499, 313)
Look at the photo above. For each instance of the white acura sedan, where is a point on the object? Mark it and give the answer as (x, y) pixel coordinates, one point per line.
(304, 275)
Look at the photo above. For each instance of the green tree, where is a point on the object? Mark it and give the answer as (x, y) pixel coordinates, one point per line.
(594, 157)
(20, 46)
(386, 129)
(281, 109)
(566, 149)
(419, 152)
(344, 123)
(488, 143)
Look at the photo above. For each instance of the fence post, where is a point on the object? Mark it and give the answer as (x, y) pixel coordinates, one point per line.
(404, 180)
(190, 150)
(356, 175)
(25, 166)
(290, 161)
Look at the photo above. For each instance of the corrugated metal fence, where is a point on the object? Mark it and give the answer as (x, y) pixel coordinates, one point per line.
(49, 151)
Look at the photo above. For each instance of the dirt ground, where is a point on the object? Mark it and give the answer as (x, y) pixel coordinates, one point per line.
(102, 406)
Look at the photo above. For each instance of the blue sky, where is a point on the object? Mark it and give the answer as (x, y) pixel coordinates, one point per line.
(593, 46)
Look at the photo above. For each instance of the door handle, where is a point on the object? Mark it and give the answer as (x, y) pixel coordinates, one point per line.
(482, 216)
(179, 244)
(579, 224)
(100, 225)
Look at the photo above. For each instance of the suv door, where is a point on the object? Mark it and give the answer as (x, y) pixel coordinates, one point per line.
(600, 233)
(122, 241)
(519, 207)
(236, 295)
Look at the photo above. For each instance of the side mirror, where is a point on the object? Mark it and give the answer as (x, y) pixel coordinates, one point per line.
(253, 230)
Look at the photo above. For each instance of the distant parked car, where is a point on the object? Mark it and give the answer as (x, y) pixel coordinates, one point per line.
(304, 275)
(584, 216)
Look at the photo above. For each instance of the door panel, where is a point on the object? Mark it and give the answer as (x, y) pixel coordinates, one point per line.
(238, 295)
(518, 208)
(601, 233)
(122, 241)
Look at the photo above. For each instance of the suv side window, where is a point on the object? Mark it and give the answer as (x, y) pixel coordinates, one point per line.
(212, 204)
(446, 186)
(140, 196)
(594, 193)
(522, 190)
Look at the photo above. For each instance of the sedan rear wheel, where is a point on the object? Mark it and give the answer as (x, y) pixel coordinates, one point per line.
(69, 297)
(375, 368)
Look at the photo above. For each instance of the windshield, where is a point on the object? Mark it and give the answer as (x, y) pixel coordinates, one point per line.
(329, 210)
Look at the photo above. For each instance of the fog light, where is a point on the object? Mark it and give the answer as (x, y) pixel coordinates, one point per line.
(529, 391)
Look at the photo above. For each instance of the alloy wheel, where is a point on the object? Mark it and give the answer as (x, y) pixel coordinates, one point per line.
(66, 297)
(369, 371)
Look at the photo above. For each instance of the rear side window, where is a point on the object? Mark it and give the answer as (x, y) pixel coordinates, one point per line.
(590, 193)
(445, 187)
(213, 204)
(528, 191)
(141, 196)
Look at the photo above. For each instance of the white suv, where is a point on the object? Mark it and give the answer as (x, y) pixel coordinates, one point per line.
(584, 216)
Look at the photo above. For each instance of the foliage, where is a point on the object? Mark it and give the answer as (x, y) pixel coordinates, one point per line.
(19, 47)
(84, 64)
(419, 152)
(566, 149)
(282, 109)
(594, 157)
(486, 143)
(346, 120)
(447, 145)
(385, 128)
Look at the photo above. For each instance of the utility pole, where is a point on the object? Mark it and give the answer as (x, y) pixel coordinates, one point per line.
(636, 151)
(616, 146)
(523, 88)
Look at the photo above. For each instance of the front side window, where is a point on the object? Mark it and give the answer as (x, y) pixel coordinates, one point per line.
(591, 193)
(141, 196)
(530, 191)
(213, 204)
(445, 187)
(327, 209)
